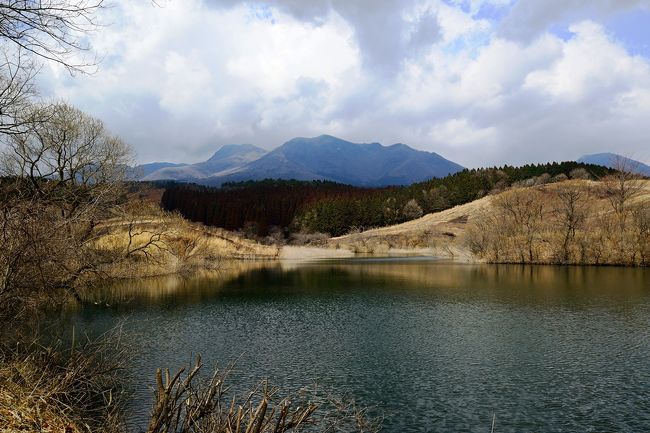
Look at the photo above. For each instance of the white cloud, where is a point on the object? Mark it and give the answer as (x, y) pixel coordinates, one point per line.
(180, 80)
(590, 63)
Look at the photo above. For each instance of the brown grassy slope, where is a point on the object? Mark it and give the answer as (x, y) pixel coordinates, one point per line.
(445, 234)
(440, 234)
(145, 241)
(179, 246)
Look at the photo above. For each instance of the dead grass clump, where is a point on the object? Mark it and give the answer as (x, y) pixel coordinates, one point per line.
(186, 403)
(51, 388)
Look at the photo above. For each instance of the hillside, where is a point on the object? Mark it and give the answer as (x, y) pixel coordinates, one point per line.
(335, 209)
(441, 234)
(453, 233)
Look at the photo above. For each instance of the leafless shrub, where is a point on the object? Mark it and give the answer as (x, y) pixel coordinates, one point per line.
(186, 403)
(569, 223)
(579, 174)
(64, 175)
(412, 210)
(57, 387)
(42, 254)
(559, 178)
(276, 236)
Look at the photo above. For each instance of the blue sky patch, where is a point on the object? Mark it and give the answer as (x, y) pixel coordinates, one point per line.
(632, 29)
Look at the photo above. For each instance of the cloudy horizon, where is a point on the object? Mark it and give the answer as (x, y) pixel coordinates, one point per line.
(481, 82)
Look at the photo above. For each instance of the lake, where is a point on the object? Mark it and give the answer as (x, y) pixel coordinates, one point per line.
(433, 346)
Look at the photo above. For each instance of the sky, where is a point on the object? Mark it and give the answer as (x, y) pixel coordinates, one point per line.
(481, 82)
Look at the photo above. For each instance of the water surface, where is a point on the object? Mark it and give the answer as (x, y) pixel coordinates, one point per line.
(435, 347)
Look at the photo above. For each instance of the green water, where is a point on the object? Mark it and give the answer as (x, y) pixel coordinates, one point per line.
(434, 347)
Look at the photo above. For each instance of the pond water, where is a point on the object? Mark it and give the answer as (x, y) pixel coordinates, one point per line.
(433, 346)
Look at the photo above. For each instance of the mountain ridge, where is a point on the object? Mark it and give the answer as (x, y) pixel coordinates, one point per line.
(613, 160)
(324, 157)
(223, 161)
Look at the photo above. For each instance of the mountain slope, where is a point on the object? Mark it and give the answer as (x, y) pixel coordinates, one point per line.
(330, 158)
(613, 160)
(225, 160)
(144, 170)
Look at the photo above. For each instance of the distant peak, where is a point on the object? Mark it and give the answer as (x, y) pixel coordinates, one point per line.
(234, 149)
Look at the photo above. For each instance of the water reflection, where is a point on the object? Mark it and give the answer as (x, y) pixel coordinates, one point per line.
(521, 284)
(434, 346)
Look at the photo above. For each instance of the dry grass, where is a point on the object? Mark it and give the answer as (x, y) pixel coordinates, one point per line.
(573, 222)
(152, 243)
(438, 234)
(51, 388)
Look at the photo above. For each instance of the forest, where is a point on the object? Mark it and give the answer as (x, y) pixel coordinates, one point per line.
(258, 207)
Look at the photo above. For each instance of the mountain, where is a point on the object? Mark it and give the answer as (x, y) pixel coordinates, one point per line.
(227, 159)
(143, 170)
(613, 160)
(330, 158)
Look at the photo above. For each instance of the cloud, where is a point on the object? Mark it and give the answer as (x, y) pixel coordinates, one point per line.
(180, 80)
(380, 27)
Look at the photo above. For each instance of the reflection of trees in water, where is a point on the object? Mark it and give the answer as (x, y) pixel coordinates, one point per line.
(520, 284)
(186, 289)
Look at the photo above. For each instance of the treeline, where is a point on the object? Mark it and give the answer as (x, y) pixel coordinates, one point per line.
(256, 206)
(335, 209)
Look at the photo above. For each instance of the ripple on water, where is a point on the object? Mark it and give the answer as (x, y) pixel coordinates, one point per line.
(435, 347)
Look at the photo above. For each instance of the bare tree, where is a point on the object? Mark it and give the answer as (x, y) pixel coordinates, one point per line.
(54, 30)
(487, 236)
(435, 199)
(521, 212)
(571, 216)
(641, 227)
(622, 186)
(412, 210)
(620, 189)
(63, 176)
(16, 92)
(39, 30)
(71, 158)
